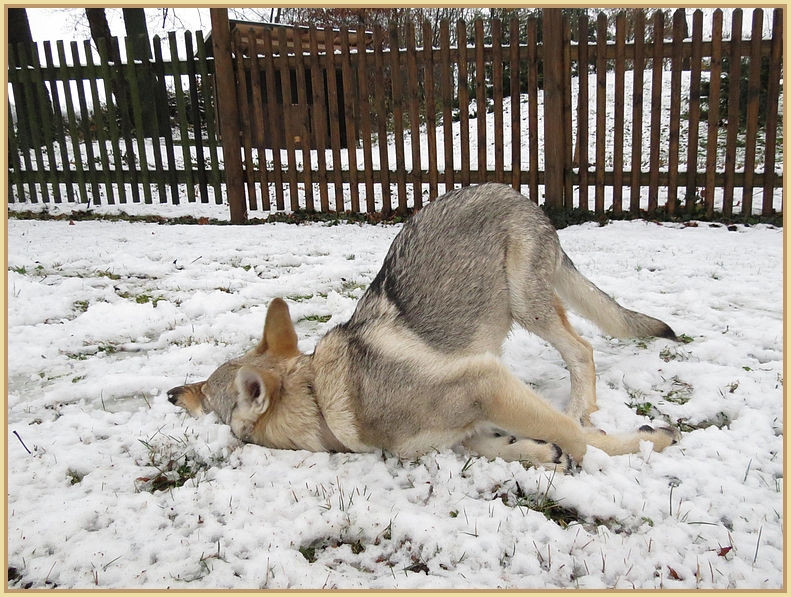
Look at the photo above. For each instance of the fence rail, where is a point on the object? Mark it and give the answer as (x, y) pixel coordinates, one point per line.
(385, 130)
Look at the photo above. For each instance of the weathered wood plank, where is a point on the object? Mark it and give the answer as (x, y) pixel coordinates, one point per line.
(656, 111)
(772, 99)
(414, 117)
(601, 109)
(694, 109)
(398, 120)
(637, 113)
(618, 130)
(714, 111)
(753, 96)
(732, 137)
(675, 110)
(464, 101)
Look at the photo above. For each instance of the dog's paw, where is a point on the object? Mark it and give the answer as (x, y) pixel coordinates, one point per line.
(518, 449)
(662, 437)
(539, 453)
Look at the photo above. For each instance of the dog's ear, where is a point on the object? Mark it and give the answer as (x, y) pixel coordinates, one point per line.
(280, 338)
(257, 388)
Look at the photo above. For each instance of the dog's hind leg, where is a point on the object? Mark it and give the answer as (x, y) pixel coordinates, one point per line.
(547, 319)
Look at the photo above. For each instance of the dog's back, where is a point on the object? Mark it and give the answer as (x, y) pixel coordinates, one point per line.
(446, 272)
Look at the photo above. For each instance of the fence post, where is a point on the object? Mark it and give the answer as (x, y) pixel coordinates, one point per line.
(554, 139)
(228, 111)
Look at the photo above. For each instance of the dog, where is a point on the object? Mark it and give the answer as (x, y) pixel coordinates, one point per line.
(417, 366)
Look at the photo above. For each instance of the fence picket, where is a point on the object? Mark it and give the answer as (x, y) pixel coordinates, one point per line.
(714, 110)
(447, 101)
(335, 139)
(276, 120)
(656, 110)
(398, 119)
(244, 120)
(414, 117)
(675, 110)
(44, 103)
(638, 76)
(203, 183)
(75, 142)
(365, 123)
(772, 98)
(601, 108)
(15, 178)
(734, 74)
(431, 110)
(480, 98)
(753, 91)
(694, 109)
(568, 157)
(35, 136)
(181, 111)
(319, 118)
(351, 110)
(497, 96)
(258, 112)
(532, 95)
(207, 90)
(464, 101)
(618, 136)
(112, 122)
(516, 103)
(167, 130)
(582, 158)
(304, 126)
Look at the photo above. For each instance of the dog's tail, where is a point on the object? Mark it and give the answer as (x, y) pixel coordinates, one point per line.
(586, 299)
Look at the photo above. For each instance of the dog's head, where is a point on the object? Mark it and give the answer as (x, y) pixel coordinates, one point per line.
(255, 377)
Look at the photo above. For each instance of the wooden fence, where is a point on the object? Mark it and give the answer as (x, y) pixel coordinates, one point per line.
(451, 115)
(156, 142)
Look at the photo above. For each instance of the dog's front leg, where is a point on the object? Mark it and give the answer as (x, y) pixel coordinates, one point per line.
(494, 443)
(511, 405)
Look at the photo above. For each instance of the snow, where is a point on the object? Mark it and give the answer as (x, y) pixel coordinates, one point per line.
(104, 317)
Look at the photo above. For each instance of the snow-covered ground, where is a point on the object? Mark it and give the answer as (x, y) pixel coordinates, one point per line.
(104, 317)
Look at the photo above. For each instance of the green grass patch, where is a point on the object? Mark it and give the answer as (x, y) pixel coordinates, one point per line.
(540, 502)
(108, 274)
(173, 467)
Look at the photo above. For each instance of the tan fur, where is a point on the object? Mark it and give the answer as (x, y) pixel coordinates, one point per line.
(292, 401)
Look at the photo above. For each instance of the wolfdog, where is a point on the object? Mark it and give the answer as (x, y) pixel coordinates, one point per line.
(416, 368)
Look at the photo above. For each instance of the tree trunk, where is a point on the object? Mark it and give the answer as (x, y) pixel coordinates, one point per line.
(137, 31)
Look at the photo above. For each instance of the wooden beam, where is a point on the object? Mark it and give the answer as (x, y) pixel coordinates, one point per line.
(228, 111)
(554, 140)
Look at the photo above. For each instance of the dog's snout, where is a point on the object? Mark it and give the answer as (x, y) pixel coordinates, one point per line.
(173, 394)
